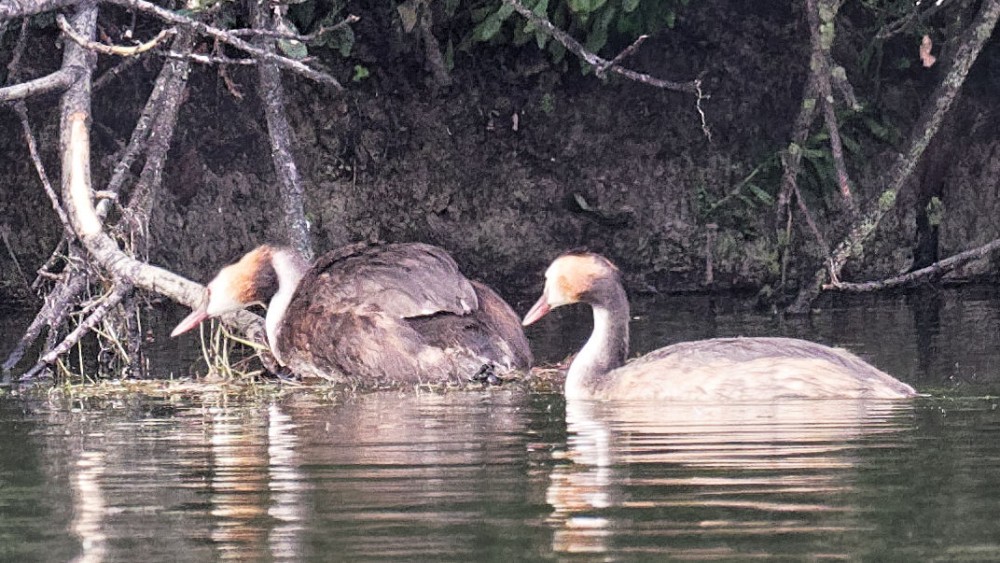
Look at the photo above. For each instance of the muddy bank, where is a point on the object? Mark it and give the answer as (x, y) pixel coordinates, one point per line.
(519, 160)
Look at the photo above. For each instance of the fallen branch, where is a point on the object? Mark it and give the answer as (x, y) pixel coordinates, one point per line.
(53, 314)
(74, 145)
(96, 316)
(936, 269)
(228, 38)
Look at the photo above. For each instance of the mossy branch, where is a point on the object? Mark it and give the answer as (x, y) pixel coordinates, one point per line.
(896, 177)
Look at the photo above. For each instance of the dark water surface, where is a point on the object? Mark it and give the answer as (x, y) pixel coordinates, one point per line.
(504, 474)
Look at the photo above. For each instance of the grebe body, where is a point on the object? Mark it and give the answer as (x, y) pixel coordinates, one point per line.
(739, 369)
(372, 314)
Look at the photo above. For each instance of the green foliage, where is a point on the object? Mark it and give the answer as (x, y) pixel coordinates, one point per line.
(360, 73)
(309, 16)
(740, 206)
(548, 103)
(600, 25)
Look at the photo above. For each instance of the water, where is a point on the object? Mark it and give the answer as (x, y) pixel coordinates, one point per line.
(506, 474)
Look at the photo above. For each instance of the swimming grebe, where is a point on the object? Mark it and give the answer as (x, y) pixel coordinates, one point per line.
(371, 314)
(749, 369)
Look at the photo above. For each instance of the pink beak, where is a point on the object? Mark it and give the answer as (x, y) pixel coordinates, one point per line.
(540, 308)
(194, 319)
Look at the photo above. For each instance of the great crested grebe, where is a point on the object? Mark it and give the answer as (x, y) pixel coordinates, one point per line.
(372, 314)
(749, 369)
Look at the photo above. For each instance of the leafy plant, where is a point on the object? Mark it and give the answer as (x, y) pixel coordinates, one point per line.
(598, 24)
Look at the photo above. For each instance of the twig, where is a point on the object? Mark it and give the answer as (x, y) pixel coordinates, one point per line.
(5, 235)
(114, 71)
(36, 159)
(936, 269)
(115, 297)
(208, 60)
(112, 49)
(626, 52)
(226, 79)
(594, 60)
(229, 38)
(253, 32)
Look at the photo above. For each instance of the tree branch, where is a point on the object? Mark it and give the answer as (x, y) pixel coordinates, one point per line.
(595, 61)
(59, 80)
(821, 32)
(96, 316)
(228, 38)
(936, 269)
(973, 39)
(118, 50)
(10, 9)
(272, 94)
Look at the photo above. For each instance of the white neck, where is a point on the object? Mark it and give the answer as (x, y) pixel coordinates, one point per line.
(603, 352)
(290, 267)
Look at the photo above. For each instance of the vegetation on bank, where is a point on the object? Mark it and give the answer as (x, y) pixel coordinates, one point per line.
(790, 209)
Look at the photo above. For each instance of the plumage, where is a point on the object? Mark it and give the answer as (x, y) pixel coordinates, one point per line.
(374, 314)
(744, 369)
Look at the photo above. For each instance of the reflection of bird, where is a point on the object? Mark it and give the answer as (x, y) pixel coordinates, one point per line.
(372, 314)
(720, 368)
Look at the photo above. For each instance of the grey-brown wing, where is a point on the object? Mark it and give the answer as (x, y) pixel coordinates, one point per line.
(402, 280)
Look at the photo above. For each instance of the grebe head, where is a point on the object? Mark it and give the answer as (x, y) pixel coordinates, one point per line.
(578, 277)
(252, 279)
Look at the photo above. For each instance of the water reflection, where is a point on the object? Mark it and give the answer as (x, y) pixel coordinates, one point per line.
(646, 474)
(90, 508)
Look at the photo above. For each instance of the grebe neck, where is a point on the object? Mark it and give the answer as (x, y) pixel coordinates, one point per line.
(607, 347)
(290, 267)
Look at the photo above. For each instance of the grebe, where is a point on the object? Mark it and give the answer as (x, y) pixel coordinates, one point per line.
(372, 314)
(747, 369)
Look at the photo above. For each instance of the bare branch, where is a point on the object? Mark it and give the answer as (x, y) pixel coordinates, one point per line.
(10, 9)
(913, 18)
(592, 59)
(96, 316)
(114, 71)
(253, 32)
(974, 37)
(208, 60)
(118, 50)
(821, 30)
(272, 94)
(228, 38)
(936, 269)
(57, 81)
(626, 52)
(29, 137)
